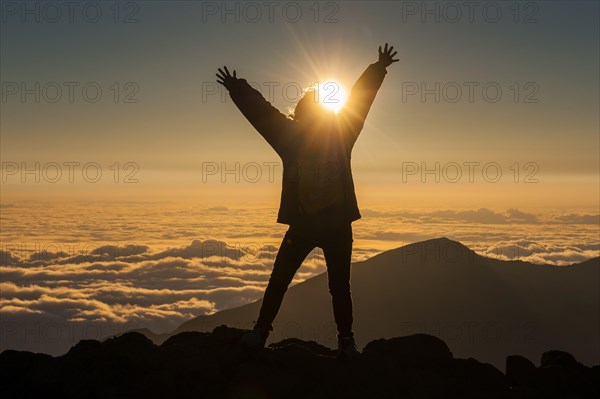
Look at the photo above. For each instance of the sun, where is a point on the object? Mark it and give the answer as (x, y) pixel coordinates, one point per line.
(331, 95)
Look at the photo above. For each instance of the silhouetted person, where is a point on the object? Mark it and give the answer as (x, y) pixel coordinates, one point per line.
(317, 199)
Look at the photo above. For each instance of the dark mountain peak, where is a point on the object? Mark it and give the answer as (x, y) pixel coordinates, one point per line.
(559, 358)
(443, 288)
(440, 244)
(86, 346)
(442, 239)
(133, 338)
(428, 252)
(213, 365)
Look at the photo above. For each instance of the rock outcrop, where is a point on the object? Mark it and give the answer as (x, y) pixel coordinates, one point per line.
(209, 365)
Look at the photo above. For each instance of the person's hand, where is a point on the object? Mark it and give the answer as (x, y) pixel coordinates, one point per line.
(386, 57)
(226, 79)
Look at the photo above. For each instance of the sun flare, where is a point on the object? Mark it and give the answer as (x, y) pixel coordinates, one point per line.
(331, 95)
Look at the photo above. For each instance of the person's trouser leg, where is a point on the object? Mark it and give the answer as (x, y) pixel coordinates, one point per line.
(337, 248)
(292, 252)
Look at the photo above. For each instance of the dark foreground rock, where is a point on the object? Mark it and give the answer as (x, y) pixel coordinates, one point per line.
(207, 365)
(559, 376)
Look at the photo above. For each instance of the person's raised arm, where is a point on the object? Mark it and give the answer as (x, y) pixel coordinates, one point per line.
(265, 118)
(364, 91)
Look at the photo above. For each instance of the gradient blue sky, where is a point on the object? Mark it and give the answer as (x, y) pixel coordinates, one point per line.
(170, 52)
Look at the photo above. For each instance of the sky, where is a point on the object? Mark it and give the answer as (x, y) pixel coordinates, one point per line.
(114, 133)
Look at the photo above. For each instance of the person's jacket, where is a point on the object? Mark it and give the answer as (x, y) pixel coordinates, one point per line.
(333, 139)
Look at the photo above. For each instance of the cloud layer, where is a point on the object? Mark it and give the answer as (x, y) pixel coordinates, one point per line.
(163, 265)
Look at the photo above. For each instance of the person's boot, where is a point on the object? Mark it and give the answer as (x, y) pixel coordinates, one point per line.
(347, 349)
(255, 339)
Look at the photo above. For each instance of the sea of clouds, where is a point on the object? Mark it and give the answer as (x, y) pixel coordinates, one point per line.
(112, 267)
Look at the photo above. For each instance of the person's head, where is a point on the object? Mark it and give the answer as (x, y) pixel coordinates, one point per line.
(308, 108)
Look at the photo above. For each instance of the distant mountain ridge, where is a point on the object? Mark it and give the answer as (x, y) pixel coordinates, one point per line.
(482, 307)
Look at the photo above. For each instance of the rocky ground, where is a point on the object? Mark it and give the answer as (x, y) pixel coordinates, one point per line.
(209, 365)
